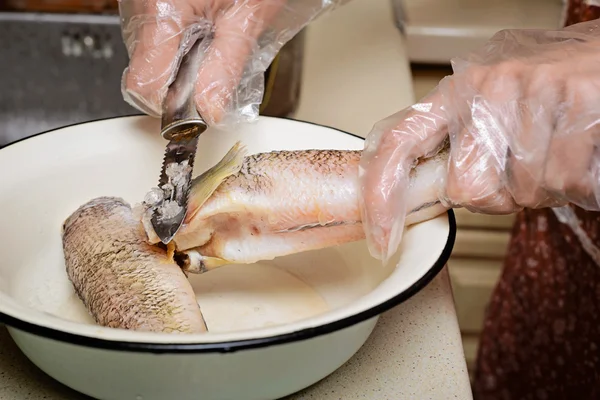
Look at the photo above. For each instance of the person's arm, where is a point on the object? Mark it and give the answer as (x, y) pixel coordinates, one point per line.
(523, 118)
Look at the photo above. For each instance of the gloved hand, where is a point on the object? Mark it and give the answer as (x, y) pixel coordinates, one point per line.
(523, 118)
(246, 37)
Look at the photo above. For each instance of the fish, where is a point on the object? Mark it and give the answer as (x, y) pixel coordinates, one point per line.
(245, 209)
(123, 280)
(251, 208)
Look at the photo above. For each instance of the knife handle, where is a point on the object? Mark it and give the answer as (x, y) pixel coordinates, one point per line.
(180, 118)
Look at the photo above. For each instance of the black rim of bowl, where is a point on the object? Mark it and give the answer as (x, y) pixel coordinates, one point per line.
(228, 347)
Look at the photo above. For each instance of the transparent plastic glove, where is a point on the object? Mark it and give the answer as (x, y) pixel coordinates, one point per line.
(523, 118)
(242, 38)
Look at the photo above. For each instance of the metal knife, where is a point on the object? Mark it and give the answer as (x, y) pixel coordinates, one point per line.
(181, 125)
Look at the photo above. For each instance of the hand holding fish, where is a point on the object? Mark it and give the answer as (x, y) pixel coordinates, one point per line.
(229, 86)
(522, 115)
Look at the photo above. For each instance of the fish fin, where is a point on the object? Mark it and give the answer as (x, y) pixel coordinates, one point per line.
(171, 251)
(196, 263)
(204, 185)
(214, 262)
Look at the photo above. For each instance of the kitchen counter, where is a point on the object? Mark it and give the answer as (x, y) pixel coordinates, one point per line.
(356, 73)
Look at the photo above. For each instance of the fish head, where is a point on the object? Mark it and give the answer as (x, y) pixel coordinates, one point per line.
(197, 228)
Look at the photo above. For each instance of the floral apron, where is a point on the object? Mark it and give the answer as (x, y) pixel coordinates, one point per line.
(541, 335)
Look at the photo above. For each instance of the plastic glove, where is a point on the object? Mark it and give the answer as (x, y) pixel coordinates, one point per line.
(523, 118)
(243, 38)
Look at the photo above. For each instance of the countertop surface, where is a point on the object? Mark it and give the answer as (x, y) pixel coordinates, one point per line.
(414, 352)
(356, 73)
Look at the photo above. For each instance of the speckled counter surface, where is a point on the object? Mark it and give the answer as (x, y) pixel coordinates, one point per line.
(415, 352)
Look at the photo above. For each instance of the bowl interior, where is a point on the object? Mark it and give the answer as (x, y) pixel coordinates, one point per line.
(47, 177)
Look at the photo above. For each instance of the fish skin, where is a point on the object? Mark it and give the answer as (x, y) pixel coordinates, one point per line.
(123, 281)
(285, 202)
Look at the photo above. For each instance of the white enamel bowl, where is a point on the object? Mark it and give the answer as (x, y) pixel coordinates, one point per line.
(276, 327)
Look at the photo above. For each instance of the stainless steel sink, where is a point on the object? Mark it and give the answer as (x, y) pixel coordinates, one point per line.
(57, 70)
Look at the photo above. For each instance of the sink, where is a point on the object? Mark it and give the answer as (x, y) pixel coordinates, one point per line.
(58, 69)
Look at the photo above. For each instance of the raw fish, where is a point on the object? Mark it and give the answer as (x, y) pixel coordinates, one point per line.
(123, 281)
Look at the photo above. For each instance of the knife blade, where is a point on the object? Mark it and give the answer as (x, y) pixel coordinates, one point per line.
(182, 126)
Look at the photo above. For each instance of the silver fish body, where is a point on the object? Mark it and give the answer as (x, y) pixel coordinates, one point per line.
(123, 281)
